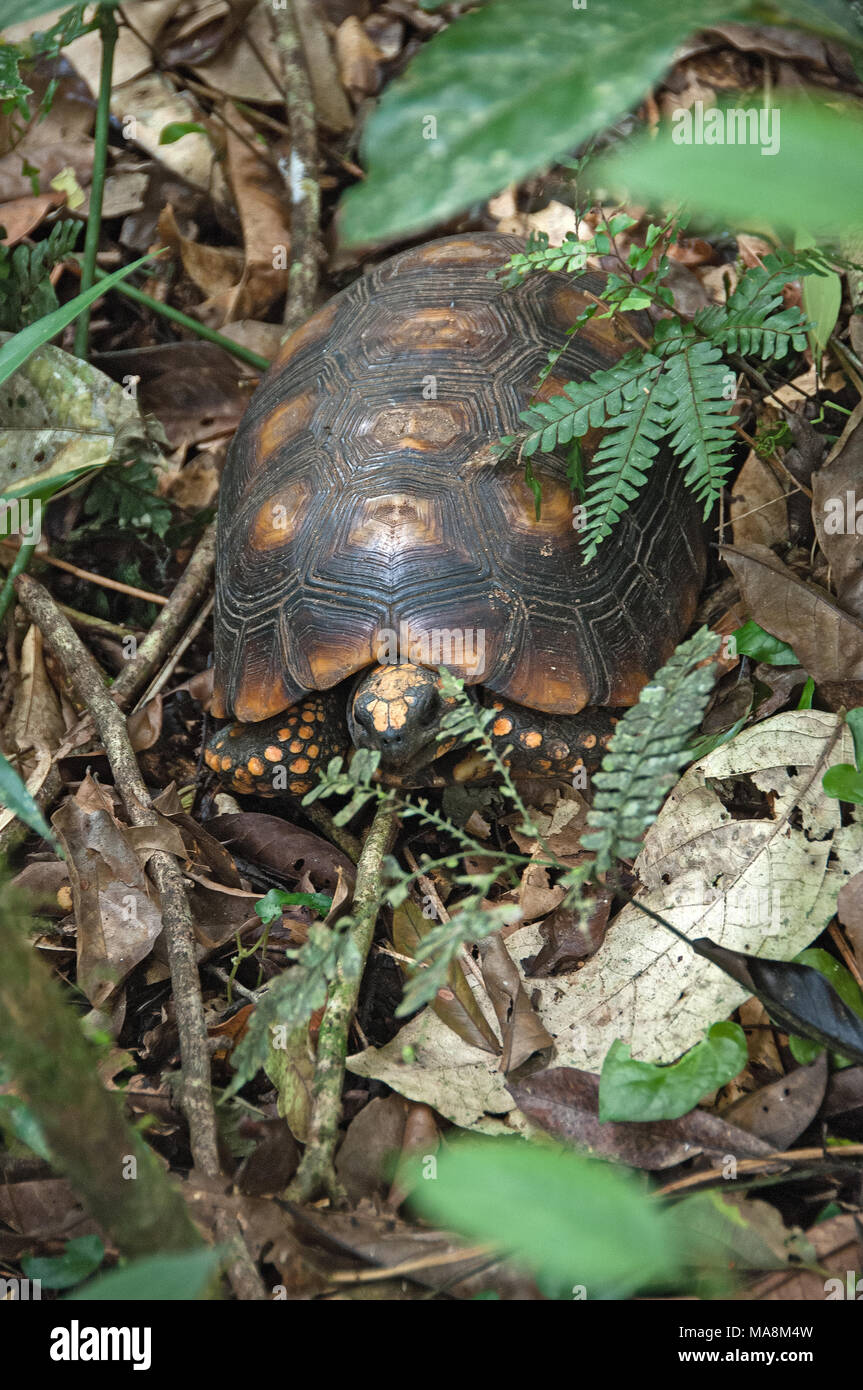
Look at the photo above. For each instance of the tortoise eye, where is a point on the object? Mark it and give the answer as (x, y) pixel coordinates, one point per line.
(428, 707)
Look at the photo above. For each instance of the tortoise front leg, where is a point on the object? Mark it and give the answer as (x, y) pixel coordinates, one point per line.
(285, 755)
(544, 745)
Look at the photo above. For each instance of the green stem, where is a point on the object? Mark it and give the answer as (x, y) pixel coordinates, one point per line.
(254, 359)
(21, 561)
(108, 31)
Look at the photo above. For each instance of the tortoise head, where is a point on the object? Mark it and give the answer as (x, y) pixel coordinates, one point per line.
(397, 710)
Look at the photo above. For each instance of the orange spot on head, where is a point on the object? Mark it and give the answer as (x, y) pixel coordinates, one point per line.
(273, 754)
(501, 726)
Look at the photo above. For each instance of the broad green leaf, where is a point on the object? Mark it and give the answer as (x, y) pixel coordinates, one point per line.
(15, 352)
(570, 1219)
(844, 782)
(815, 177)
(15, 796)
(61, 418)
(156, 1279)
(804, 1050)
(752, 641)
(822, 300)
(500, 93)
(633, 1090)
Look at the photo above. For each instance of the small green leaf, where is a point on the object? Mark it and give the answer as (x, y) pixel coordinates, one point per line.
(752, 641)
(806, 694)
(633, 1090)
(169, 134)
(269, 908)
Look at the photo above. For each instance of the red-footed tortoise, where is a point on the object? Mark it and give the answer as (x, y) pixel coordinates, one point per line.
(368, 534)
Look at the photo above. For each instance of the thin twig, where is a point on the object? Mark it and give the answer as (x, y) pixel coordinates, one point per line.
(100, 579)
(186, 597)
(301, 173)
(316, 1173)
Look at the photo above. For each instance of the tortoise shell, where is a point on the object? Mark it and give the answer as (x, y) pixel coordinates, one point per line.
(361, 498)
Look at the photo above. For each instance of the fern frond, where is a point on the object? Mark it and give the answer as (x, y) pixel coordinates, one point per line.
(621, 462)
(24, 273)
(749, 322)
(702, 430)
(590, 404)
(648, 749)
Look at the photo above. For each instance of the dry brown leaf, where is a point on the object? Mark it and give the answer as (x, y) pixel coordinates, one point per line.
(214, 269)
(849, 909)
(22, 216)
(522, 1032)
(837, 512)
(827, 641)
(758, 510)
(262, 206)
(36, 720)
(374, 1137)
(117, 910)
(565, 1102)
(332, 107)
(359, 60)
(779, 1112)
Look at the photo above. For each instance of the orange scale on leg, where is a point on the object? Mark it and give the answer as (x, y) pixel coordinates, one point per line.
(273, 754)
(256, 767)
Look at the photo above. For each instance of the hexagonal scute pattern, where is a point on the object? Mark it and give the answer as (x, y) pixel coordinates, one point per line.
(361, 498)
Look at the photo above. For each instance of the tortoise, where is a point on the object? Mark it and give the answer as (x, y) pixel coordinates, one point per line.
(369, 534)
